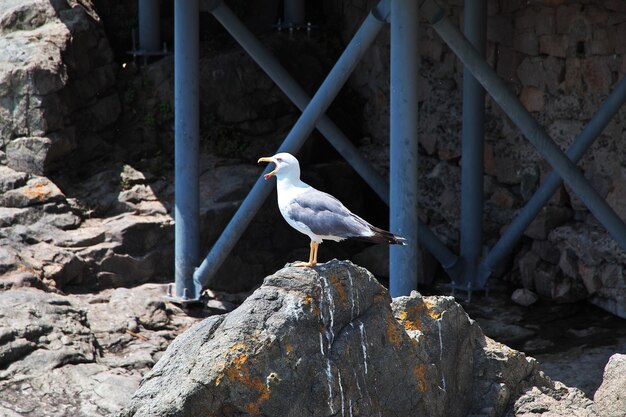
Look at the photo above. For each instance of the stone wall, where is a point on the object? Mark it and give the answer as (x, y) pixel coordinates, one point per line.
(562, 58)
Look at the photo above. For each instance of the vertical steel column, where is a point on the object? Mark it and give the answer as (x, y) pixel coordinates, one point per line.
(149, 25)
(473, 135)
(186, 146)
(294, 12)
(403, 260)
(324, 96)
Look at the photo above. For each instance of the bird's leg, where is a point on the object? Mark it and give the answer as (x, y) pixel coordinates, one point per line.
(314, 247)
(312, 256)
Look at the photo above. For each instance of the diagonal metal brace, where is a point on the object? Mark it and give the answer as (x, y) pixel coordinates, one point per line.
(524, 121)
(527, 214)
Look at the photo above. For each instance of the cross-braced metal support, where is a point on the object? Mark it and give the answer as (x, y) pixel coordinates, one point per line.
(564, 166)
(472, 272)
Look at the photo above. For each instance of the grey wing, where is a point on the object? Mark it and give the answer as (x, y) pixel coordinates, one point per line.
(327, 216)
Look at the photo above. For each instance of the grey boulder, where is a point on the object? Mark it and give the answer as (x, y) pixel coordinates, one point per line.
(330, 341)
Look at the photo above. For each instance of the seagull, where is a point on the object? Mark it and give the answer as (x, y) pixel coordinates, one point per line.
(317, 214)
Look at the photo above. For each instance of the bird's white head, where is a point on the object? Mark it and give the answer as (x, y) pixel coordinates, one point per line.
(287, 166)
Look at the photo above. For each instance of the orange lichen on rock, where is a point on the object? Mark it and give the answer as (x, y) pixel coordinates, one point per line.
(432, 313)
(315, 309)
(393, 335)
(238, 372)
(41, 191)
(412, 318)
(288, 347)
(419, 372)
(340, 291)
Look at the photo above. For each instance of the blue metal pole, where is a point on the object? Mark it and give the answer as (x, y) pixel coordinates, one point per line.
(403, 260)
(186, 146)
(472, 147)
(583, 141)
(149, 25)
(295, 139)
(299, 97)
(525, 122)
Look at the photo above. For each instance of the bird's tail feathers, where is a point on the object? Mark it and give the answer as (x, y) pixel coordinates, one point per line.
(383, 236)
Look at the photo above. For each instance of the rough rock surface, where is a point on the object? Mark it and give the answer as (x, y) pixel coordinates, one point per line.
(80, 355)
(610, 398)
(52, 238)
(56, 82)
(326, 341)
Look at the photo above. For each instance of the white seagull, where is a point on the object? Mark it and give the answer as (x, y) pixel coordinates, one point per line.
(318, 215)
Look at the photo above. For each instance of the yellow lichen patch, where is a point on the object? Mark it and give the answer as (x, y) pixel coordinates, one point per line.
(288, 347)
(41, 191)
(410, 318)
(340, 291)
(413, 317)
(419, 372)
(308, 301)
(238, 346)
(240, 360)
(239, 372)
(432, 313)
(393, 335)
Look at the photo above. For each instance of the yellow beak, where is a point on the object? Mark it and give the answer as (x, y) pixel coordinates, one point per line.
(267, 159)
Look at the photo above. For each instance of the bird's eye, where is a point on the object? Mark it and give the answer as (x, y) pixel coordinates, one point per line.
(279, 159)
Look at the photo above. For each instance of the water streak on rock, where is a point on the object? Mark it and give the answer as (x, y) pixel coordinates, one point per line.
(328, 322)
(343, 410)
(363, 344)
(352, 296)
(443, 377)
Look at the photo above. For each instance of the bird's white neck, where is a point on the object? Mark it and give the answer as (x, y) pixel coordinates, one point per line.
(290, 182)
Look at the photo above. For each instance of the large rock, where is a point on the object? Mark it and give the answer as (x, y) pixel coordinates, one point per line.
(326, 341)
(610, 398)
(56, 78)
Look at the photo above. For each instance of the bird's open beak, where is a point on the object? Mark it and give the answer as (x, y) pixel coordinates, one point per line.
(267, 159)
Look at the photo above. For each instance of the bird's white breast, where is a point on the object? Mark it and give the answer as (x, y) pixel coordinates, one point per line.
(288, 191)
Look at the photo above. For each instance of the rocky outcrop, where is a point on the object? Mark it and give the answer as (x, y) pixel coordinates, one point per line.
(610, 398)
(56, 82)
(329, 341)
(50, 237)
(80, 355)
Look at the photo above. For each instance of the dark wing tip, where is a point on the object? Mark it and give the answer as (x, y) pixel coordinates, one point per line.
(383, 236)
